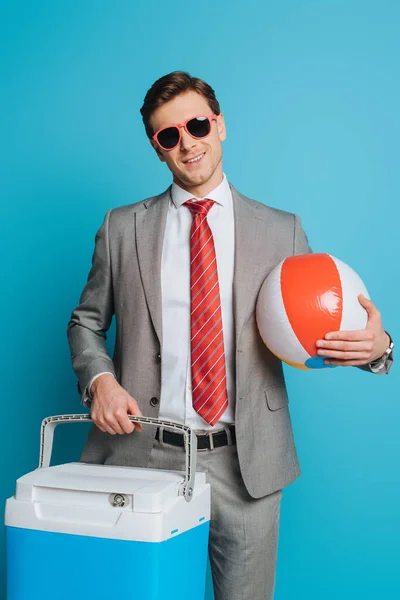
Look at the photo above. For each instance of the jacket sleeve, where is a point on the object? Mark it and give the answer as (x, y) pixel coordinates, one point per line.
(300, 241)
(92, 317)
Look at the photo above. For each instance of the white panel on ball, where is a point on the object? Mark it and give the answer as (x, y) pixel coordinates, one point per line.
(273, 323)
(354, 316)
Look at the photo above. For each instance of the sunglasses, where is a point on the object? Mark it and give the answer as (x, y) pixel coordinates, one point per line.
(197, 127)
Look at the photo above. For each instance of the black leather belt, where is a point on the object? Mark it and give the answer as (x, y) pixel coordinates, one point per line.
(205, 441)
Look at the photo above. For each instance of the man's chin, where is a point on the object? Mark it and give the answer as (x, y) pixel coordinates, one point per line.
(194, 178)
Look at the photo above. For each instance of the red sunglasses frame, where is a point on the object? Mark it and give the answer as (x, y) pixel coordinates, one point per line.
(181, 126)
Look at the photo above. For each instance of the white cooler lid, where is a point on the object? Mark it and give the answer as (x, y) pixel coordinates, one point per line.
(82, 484)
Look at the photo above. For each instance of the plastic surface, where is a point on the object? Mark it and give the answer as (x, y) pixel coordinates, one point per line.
(304, 298)
(77, 498)
(45, 566)
(98, 531)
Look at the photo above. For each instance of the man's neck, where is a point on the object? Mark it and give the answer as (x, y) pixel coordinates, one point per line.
(201, 191)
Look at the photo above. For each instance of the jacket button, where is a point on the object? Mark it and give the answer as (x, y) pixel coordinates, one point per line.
(154, 401)
(158, 357)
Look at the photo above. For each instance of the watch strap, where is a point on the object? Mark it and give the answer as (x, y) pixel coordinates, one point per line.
(385, 361)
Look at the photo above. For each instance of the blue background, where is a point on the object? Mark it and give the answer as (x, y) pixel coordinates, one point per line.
(310, 91)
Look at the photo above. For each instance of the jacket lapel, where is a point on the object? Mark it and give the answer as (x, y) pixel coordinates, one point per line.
(150, 228)
(254, 257)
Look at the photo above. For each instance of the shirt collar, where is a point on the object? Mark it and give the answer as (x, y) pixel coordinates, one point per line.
(220, 194)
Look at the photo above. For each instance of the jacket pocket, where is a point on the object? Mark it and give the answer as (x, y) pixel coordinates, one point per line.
(276, 396)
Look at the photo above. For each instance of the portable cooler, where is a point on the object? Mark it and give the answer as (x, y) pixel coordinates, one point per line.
(87, 531)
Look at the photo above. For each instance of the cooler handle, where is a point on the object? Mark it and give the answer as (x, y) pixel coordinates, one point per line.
(190, 442)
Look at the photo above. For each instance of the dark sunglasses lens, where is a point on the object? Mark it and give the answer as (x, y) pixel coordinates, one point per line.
(199, 127)
(169, 137)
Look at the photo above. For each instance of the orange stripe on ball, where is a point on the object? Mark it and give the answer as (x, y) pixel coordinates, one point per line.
(312, 296)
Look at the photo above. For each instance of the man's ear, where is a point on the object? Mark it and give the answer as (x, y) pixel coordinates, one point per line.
(157, 149)
(221, 127)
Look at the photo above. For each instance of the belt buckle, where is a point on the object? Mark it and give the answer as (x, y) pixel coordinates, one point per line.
(211, 438)
(228, 436)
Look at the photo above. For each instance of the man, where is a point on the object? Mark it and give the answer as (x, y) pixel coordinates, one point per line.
(181, 272)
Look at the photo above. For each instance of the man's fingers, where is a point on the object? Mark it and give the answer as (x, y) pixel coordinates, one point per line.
(136, 426)
(368, 305)
(96, 419)
(112, 421)
(358, 335)
(103, 426)
(117, 422)
(135, 411)
(344, 355)
(110, 412)
(98, 425)
(123, 421)
(358, 346)
(106, 423)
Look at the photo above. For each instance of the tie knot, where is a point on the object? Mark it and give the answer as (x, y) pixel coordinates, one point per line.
(199, 207)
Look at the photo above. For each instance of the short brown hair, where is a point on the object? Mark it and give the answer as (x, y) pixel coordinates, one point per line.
(171, 85)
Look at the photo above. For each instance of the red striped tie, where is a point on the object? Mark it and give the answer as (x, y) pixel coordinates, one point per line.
(210, 397)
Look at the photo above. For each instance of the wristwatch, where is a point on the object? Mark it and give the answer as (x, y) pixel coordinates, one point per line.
(385, 360)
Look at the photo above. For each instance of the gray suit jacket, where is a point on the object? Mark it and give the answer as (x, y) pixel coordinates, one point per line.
(125, 281)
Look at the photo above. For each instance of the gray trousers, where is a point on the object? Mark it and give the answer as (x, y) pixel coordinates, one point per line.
(243, 530)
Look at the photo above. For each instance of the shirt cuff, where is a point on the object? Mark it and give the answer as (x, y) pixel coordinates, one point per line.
(89, 395)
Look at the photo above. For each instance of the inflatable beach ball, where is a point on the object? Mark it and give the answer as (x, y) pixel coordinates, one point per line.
(302, 299)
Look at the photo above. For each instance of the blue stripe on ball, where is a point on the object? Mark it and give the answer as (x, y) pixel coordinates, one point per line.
(317, 362)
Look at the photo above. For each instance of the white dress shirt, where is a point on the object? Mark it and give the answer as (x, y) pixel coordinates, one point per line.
(176, 378)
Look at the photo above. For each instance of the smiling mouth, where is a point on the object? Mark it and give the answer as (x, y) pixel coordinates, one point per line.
(195, 159)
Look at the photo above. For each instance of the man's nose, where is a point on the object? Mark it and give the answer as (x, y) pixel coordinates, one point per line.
(187, 141)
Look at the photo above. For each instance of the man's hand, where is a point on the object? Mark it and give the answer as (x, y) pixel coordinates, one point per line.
(111, 406)
(355, 348)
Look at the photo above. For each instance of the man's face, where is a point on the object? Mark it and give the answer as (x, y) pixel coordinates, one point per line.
(206, 171)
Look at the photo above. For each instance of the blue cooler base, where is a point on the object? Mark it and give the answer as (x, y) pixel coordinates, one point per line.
(43, 566)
